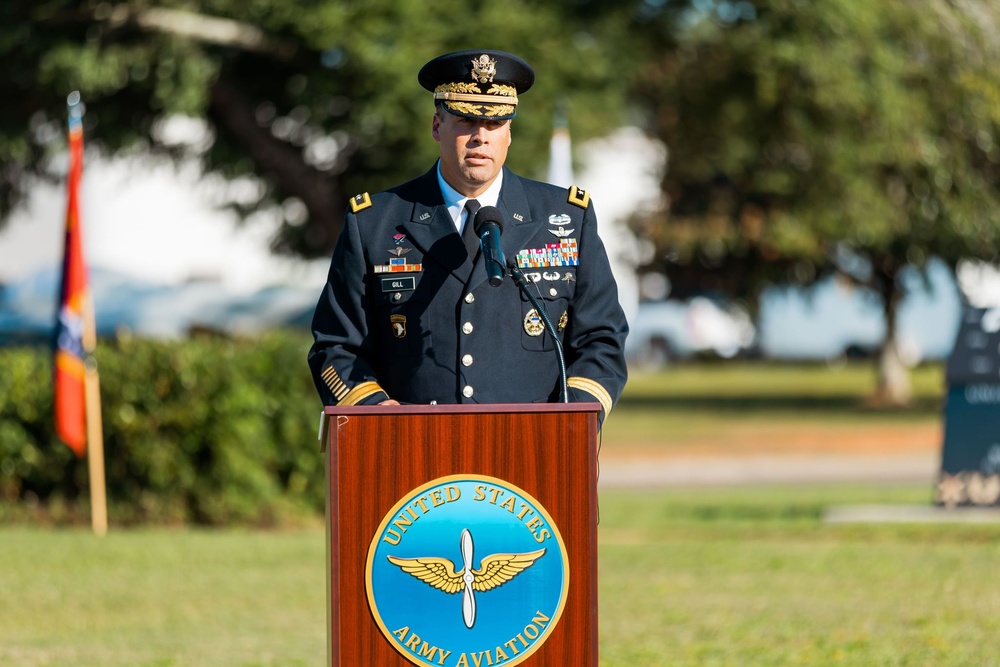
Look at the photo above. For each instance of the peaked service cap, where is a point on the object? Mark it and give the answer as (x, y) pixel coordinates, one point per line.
(476, 83)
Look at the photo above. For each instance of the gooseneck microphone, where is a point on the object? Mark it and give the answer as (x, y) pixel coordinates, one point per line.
(488, 227)
(522, 283)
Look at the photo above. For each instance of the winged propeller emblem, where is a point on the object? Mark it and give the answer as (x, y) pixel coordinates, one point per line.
(493, 571)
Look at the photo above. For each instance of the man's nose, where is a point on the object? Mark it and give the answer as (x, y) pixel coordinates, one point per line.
(480, 135)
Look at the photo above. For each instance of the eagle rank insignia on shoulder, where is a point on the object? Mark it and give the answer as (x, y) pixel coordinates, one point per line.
(578, 196)
(360, 202)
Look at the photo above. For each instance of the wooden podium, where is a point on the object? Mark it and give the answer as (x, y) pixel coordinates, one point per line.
(376, 455)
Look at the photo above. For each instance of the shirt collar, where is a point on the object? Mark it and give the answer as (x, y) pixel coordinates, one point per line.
(455, 200)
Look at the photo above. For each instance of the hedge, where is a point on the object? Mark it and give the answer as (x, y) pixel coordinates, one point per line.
(204, 431)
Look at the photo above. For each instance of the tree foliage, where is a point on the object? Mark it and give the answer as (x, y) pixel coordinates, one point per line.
(807, 137)
(318, 98)
(205, 431)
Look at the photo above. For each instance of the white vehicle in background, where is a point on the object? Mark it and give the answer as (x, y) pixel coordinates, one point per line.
(665, 331)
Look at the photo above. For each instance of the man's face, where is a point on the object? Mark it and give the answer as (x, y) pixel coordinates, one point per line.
(472, 151)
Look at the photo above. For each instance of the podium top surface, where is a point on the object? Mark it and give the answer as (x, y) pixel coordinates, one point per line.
(456, 408)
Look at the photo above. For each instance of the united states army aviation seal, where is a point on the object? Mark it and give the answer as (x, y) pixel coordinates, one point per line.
(465, 571)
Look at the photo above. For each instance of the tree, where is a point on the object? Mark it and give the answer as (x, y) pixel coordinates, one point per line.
(317, 98)
(811, 137)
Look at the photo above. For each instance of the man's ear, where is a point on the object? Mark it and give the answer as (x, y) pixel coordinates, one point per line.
(435, 124)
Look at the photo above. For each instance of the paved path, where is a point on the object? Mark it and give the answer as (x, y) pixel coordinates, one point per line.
(768, 469)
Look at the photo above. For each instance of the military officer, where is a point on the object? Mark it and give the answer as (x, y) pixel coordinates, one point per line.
(408, 315)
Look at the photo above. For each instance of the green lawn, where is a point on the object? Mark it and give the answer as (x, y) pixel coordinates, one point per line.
(695, 401)
(741, 576)
(700, 576)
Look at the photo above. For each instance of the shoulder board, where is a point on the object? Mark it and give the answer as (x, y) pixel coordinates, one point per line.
(360, 202)
(578, 196)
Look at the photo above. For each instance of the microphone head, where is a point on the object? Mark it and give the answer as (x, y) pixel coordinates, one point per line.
(485, 215)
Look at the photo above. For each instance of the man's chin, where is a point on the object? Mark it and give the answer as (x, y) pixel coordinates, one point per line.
(478, 175)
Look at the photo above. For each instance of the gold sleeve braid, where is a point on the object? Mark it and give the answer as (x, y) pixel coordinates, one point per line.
(593, 388)
(347, 396)
(335, 384)
(360, 393)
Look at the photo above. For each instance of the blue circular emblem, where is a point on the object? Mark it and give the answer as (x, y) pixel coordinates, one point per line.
(465, 571)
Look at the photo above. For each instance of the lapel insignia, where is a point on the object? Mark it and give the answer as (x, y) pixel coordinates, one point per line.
(518, 217)
(561, 219)
(562, 232)
(578, 196)
(360, 202)
(424, 216)
(398, 323)
(564, 253)
(563, 320)
(533, 325)
(398, 251)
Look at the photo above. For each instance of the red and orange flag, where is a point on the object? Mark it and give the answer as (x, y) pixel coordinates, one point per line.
(70, 355)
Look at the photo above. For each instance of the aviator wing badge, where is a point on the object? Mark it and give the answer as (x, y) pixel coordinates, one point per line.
(493, 571)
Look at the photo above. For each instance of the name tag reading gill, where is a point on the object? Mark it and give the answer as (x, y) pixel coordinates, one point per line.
(398, 284)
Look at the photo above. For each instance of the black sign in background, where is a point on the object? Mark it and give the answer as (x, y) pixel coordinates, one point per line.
(970, 459)
(972, 430)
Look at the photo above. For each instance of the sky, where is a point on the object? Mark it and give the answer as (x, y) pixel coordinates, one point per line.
(153, 222)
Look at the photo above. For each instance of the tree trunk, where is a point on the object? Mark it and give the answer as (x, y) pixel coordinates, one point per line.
(893, 383)
(893, 386)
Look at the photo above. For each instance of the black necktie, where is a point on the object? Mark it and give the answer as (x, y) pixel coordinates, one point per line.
(468, 232)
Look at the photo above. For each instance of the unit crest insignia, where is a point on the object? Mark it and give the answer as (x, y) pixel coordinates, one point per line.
(398, 323)
(533, 324)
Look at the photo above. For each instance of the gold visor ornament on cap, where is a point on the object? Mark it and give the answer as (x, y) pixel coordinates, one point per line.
(478, 84)
(484, 69)
(465, 97)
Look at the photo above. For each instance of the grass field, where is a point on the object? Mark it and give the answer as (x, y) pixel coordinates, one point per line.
(763, 408)
(746, 575)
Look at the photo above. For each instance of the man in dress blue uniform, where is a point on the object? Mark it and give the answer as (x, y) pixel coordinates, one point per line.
(408, 314)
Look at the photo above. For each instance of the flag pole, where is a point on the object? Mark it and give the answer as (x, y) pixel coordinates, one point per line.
(92, 385)
(95, 436)
(560, 151)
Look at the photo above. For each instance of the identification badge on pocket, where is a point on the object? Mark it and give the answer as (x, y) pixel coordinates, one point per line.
(399, 284)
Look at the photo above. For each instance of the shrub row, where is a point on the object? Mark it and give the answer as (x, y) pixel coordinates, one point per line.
(204, 431)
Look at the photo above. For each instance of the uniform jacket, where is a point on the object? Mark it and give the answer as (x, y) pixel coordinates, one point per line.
(432, 329)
